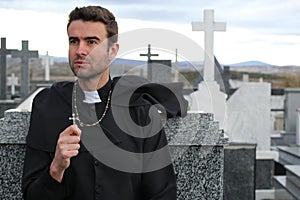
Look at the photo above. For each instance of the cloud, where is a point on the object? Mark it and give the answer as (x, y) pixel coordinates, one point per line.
(272, 16)
(269, 16)
(257, 29)
(54, 6)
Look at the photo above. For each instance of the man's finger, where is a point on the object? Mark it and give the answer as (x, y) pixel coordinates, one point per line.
(72, 130)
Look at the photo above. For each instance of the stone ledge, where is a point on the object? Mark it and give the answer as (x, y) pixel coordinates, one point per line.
(199, 126)
(281, 191)
(195, 129)
(289, 155)
(293, 179)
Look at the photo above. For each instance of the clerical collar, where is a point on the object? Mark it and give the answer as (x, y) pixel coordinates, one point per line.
(91, 97)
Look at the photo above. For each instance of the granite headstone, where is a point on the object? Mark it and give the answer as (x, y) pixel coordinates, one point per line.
(3, 53)
(25, 54)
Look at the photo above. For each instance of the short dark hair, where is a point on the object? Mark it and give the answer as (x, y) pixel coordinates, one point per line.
(97, 14)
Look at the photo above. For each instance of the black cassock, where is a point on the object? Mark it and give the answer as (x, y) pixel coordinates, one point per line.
(88, 177)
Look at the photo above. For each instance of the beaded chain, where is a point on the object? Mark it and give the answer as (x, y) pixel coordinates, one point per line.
(75, 116)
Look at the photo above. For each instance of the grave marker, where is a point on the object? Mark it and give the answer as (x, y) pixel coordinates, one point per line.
(209, 26)
(25, 54)
(209, 98)
(160, 71)
(245, 78)
(149, 67)
(13, 81)
(3, 53)
(47, 62)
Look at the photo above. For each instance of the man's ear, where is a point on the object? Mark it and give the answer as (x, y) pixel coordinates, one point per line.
(113, 51)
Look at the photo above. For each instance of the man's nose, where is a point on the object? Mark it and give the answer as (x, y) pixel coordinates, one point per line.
(81, 49)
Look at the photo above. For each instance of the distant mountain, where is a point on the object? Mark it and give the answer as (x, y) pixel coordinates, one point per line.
(128, 62)
(189, 66)
(251, 64)
(118, 61)
(182, 65)
(60, 59)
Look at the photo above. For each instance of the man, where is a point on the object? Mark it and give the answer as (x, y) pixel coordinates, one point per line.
(69, 161)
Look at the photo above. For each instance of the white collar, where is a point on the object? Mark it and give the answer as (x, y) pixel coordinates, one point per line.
(91, 97)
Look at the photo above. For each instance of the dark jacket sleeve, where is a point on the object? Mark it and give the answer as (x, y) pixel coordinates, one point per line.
(159, 184)
(37, 183)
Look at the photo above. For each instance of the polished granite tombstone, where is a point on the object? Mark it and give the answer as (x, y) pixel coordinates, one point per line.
(196, 145)
(13, 130)
(197, 149)
(239, 171)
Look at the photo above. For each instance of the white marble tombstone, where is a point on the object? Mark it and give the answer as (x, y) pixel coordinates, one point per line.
(249, 115)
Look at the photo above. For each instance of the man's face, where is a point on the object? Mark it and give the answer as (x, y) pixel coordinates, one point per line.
(89, 54)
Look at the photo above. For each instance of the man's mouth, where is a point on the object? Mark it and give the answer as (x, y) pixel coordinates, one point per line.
(81, 62)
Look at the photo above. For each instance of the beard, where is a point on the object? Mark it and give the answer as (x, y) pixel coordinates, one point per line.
(91, 70)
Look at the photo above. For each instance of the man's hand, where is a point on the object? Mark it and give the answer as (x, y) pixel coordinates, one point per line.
(67, 147)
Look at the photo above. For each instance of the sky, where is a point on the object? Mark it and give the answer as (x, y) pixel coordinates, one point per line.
(261, 30)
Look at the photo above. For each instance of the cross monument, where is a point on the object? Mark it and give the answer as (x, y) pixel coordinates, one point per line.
(47, 62)
(3, 53)
(209, 26)
(209, 98)
(149, 55)
(25, 54)
(13, 81)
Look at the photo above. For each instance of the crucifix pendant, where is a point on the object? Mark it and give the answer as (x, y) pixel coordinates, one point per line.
(73, 118)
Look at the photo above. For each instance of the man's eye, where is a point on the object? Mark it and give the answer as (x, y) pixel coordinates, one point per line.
(73, 41)
(92, 42)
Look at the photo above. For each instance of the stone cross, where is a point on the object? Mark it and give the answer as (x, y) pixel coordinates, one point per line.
(12, 81)
(149, 66)
(47, 61)
(209, 26)
(25, 55)
(149, 54)
(3, 53)
(208, 98)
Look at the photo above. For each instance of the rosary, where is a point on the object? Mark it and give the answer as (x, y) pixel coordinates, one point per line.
(75, 115)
